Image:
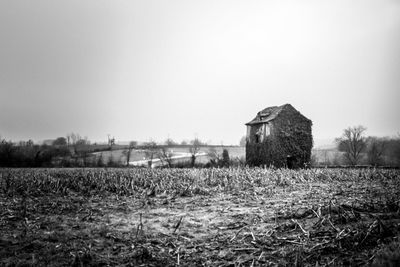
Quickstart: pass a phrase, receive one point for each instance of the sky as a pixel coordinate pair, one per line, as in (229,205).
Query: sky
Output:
(149,70)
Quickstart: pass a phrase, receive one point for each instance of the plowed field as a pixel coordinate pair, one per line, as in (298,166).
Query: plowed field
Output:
(189,217)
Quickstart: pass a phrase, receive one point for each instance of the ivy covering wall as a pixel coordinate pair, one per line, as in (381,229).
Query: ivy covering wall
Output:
(290,140)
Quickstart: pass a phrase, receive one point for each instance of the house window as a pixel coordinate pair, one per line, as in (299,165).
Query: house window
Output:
(259,135)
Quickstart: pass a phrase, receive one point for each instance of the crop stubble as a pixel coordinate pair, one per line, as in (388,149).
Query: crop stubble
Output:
(198,217)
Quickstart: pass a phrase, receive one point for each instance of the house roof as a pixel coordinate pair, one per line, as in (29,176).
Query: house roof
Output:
(268,114)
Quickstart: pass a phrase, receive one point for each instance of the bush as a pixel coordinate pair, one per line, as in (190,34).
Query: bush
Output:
(225,158)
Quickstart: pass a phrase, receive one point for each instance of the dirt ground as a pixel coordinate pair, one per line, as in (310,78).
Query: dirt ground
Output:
(302,224)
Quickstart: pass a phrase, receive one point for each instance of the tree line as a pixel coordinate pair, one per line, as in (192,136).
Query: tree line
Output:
(73,150)
(359,149)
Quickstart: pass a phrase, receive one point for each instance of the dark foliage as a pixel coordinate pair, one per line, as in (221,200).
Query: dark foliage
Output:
(60,141)
(288,145)
(30,155)
(225,158)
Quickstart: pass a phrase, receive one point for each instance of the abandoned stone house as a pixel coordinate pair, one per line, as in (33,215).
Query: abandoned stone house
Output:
(280,137)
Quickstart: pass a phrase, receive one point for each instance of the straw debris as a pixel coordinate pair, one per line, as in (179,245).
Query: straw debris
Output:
(97,217)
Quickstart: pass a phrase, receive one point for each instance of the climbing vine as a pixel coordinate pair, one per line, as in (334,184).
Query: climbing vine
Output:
(291,139)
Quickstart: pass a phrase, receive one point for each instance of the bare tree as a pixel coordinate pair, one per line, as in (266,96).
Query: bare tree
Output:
(111,141)
(194,149)
(30,143)
(72,139)
(80,147)
(376,149)
(68,138)
(150,151)
(213,155)
(165,155)
(127,152)
(352,142)
(83,150)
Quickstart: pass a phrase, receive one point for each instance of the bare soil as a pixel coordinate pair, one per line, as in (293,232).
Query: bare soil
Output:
(302,224)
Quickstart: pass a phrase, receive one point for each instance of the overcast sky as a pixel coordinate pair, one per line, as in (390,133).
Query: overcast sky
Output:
(152,69)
